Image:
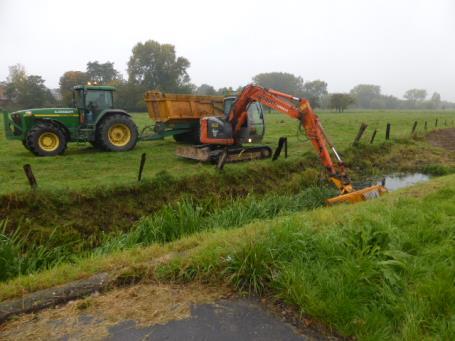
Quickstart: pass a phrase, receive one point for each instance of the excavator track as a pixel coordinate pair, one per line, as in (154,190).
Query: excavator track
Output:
(207,153)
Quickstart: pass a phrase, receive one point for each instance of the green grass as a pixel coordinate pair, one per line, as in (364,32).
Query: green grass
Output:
(19,256)
(379,270)
(383,269)
(83,168)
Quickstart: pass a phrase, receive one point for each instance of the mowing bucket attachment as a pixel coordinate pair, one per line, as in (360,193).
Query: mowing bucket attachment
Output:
(364,194)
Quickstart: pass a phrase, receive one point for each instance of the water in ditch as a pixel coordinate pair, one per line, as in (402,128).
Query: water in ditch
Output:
(396,181)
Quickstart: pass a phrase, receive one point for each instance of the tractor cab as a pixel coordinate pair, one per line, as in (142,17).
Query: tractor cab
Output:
(92,100)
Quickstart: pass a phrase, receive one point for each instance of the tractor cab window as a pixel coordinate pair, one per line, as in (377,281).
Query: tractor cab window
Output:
(98,100)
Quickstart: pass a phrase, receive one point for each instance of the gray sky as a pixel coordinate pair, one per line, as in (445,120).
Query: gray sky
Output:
(397,44)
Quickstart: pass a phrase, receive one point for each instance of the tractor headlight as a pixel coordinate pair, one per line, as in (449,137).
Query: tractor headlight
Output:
(28,114)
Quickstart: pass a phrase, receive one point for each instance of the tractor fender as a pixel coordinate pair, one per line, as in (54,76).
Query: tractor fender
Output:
(110,112)
(57,124)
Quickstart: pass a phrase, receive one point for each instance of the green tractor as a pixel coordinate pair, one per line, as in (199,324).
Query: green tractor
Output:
(93,119)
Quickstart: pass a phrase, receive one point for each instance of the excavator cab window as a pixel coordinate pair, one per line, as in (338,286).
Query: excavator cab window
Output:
(256,122)
(228,102)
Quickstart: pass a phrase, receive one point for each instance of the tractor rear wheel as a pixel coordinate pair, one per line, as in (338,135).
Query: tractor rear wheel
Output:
(116,133)
(46,140)
(94,144)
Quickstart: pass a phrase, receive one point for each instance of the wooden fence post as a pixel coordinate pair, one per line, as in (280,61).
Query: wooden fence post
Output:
(373,136)
(387,132)
(141,167)
(222,159)
(362,129)
(31,178)
(414,128)
(282,142)
(436,123)
(426,125)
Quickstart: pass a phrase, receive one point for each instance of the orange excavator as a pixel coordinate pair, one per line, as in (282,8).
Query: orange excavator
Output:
(238,126)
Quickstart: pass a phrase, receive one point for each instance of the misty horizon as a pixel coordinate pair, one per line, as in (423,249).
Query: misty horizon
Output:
(398,45)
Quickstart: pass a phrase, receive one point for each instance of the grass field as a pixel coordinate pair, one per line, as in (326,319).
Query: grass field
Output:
(83,168)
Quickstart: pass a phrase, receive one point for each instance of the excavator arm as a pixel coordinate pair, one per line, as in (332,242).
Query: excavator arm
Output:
(302,111)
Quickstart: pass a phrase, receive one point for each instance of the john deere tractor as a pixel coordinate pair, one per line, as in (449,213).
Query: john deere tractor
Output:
(46,132)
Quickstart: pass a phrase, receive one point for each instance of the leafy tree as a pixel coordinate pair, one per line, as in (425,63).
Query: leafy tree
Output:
(68,81)
(314,91)
(366,95)
(390,102)
(340,101)
(27,91)
(102,73)
(129,96)
(206,90)
(435,101)
(155,66)
(415,98)
(226,91)
(415,95)
(281,81)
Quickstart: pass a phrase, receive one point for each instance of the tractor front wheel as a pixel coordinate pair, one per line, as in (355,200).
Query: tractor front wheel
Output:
(46,140)
(116,133)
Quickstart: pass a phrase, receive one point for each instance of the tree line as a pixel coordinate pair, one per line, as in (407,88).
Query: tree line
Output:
(156,66)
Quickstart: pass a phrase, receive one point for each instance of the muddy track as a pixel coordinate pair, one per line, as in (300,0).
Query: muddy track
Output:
(444,138)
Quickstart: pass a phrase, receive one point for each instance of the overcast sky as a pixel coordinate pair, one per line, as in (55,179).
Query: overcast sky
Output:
(397,44)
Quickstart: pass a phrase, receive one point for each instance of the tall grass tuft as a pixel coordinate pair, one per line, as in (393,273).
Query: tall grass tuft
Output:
(18,257)
(188,217)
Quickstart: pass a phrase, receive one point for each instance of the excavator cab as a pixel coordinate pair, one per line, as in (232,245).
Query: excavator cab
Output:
(218,130)
(253,130)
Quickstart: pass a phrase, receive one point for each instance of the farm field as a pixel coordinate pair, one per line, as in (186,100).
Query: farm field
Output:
(258,227)
(82,167)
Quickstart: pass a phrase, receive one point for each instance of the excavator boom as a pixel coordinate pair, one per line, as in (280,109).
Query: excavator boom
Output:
(298,108)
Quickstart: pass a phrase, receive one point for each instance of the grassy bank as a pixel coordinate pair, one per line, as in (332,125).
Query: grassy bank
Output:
(379,270)
(20,256)
(49,227)
(83,168)
(376,270)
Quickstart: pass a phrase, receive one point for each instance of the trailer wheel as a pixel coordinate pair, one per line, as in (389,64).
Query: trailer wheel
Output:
(46,140)
(116,133)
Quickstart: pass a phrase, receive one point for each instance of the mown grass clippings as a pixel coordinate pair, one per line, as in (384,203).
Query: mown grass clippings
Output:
(90,318)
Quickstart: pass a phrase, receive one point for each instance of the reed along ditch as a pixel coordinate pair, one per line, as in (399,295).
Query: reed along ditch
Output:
(41,229)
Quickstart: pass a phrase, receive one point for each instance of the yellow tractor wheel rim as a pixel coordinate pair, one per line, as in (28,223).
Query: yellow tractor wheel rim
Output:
(49,141)
(119,135)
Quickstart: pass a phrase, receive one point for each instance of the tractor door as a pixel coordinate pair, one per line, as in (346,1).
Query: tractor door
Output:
(96,101)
